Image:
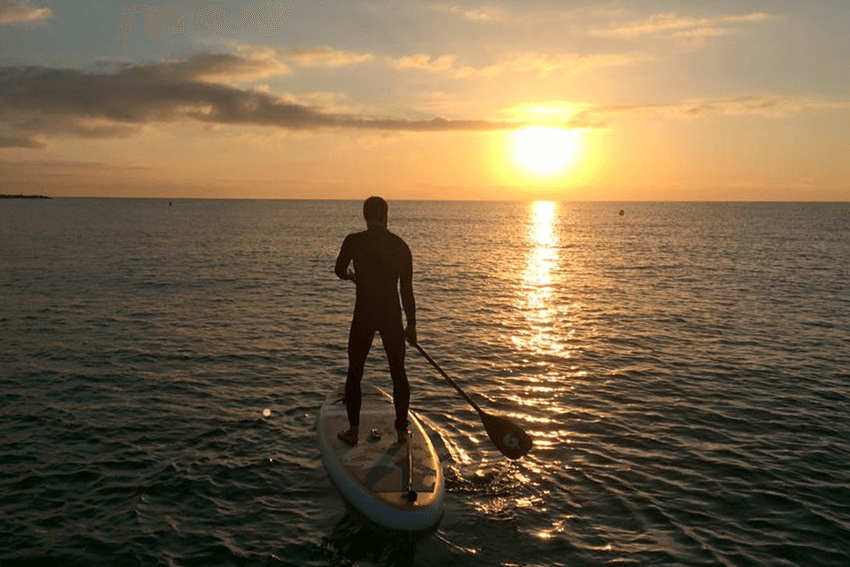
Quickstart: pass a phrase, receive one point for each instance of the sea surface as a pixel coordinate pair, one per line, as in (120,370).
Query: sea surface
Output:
(684,369)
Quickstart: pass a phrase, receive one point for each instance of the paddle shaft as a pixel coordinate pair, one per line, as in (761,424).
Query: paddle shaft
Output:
(448,379)
(410,494)
(508,438)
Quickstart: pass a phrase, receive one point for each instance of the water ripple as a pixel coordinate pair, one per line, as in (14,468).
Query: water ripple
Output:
(682,369)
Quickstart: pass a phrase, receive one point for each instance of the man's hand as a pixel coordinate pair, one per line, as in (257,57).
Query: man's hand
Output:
(410,333)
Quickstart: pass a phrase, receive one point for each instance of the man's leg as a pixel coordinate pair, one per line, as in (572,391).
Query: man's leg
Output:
(393,339)
(359,342)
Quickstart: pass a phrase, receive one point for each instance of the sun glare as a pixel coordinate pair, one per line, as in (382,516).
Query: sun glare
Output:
(543,150)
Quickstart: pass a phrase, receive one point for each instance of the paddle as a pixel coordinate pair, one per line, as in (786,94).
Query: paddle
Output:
(508,438)
(411,494)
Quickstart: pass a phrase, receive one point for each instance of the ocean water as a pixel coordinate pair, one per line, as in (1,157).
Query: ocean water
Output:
(684,369)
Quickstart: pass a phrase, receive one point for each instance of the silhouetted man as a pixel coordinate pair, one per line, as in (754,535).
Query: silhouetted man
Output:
(382,260)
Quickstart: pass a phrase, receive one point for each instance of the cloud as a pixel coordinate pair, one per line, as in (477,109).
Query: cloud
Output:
(541,63)
(20,12)
(670,24)
(41,102)
(327,57)
(421,61)
(212,67)
(443,64)
(20,140)
(264,19)
(572,63)
(588,116)
(61,167)
(769,105)
(480,14)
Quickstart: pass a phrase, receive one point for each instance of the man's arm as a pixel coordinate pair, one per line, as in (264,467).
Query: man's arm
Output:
(407,299)
(343,260)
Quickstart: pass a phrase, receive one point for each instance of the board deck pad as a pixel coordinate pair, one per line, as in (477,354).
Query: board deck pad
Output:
(380,464)
(372,476)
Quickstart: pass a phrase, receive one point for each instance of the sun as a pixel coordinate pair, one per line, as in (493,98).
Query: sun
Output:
(544,151)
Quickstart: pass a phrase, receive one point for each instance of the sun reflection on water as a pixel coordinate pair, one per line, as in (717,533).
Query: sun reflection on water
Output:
(539,282)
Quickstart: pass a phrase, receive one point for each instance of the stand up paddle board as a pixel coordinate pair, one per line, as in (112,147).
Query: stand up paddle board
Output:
(374,477)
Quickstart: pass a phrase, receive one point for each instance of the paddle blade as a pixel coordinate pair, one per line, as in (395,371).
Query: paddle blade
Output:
(508,438)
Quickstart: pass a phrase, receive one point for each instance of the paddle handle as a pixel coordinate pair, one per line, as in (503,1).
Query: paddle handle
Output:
(448,379)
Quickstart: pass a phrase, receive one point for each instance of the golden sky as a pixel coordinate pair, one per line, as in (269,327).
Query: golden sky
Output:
(641,100)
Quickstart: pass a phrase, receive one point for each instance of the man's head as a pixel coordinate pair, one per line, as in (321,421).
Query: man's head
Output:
(375,211)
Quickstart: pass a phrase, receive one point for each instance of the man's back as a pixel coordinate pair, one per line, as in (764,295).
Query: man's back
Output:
(381,259)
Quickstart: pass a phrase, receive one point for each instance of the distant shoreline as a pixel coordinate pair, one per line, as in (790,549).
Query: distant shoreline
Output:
(24,197)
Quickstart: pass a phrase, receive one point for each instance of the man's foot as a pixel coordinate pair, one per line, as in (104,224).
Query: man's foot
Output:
(402,435)
(349,436)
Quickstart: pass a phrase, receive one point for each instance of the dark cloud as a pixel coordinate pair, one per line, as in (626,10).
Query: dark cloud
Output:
(38,102)
(55,167)
(21,140)
(207,67)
